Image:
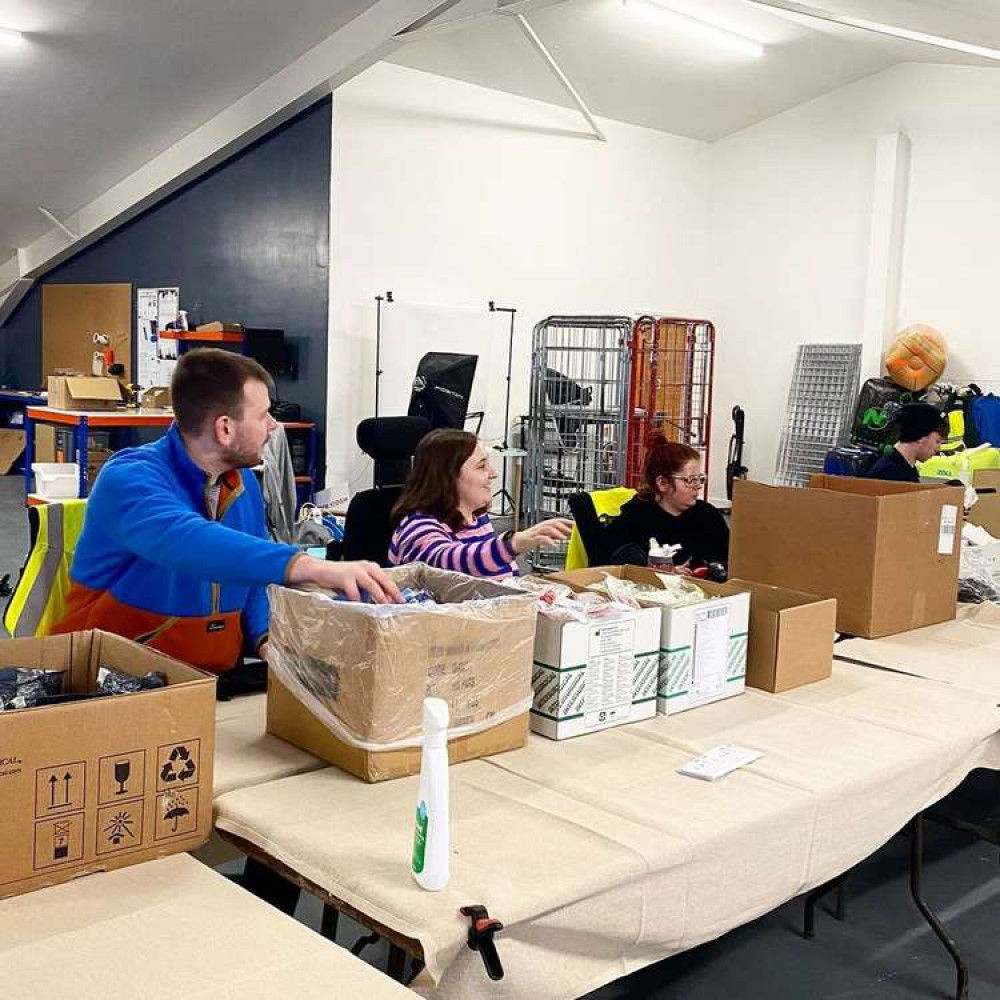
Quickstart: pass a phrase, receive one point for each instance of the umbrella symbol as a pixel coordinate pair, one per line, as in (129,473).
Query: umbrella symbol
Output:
(178,808)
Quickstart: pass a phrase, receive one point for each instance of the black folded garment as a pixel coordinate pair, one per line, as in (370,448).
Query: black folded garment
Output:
(25,687)
(112,681)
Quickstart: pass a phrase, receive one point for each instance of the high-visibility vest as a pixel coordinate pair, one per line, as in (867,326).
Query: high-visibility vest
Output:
(39,599)
(956,433)
(607,504)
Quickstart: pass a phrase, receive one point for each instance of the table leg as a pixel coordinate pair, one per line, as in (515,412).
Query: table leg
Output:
(397,963)
(29,453)
(329,922)
(935,924)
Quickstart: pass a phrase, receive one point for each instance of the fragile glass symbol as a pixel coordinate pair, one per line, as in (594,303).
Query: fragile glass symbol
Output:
(123,768)
(119,828)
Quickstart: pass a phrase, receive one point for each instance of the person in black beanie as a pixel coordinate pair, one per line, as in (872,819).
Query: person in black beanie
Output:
(922,428)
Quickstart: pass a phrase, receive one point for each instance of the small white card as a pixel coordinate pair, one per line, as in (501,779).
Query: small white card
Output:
(946,533)
(718,762)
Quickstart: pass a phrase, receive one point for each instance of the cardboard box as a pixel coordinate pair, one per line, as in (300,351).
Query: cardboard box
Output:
(216,327)
(349,679)
(703,646)
(986,510)
(791,637)
(157,397)
(95,785)
(888,552)
(11,448)
(83,392)
(594,675)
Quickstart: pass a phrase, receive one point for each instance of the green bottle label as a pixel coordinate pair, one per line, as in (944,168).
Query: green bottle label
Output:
(420,838)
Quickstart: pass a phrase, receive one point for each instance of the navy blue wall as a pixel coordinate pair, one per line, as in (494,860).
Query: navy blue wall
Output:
(248,242)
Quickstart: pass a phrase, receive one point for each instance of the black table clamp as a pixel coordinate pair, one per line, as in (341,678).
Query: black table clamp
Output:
(482,927)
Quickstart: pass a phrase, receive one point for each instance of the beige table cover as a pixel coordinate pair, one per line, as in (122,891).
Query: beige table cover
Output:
(599,858)
(168,929)
(245,754)
(964,652)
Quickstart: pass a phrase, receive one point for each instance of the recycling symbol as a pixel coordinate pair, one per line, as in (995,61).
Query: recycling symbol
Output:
(179,766)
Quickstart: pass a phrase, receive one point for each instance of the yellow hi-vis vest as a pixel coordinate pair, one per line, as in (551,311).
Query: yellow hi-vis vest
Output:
(39,599)
(956,433)
(607,503)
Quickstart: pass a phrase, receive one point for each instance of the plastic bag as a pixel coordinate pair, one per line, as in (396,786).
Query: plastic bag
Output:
(112,681)
(676,592)
(25,687)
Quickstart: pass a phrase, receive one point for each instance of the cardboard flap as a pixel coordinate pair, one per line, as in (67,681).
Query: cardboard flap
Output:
(93,387)
(868,487)
(11,446)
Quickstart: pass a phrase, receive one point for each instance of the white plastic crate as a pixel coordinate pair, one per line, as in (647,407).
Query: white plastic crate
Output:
(56,480)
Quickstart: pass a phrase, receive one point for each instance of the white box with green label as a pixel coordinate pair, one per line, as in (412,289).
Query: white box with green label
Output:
(703,650)
(596,674)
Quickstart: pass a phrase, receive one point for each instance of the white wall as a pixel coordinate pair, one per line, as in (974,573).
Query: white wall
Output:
(450,195)
(790,226)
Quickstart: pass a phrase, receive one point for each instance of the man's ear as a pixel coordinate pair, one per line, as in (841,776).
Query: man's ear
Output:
(222,427)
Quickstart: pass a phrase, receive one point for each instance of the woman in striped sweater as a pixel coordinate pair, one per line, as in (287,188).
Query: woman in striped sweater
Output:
(442,517)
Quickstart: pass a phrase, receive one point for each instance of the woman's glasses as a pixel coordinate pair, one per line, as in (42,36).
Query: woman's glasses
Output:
(692,480)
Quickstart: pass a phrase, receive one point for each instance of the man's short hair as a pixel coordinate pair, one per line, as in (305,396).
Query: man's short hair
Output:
(208,383)
(917,420)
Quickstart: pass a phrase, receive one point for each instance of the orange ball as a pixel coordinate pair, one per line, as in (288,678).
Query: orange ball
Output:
(917,357)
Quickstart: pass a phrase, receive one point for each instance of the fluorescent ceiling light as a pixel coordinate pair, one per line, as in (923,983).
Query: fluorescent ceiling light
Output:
(878,28)
(8,36)
(706,31)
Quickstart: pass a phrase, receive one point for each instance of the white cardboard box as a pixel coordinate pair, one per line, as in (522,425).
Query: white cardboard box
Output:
(589,676)
(703,652)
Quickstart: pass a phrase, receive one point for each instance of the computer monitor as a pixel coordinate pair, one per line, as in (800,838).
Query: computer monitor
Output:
(267,347)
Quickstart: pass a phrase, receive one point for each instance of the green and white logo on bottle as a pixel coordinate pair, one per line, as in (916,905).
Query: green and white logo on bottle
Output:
(420,838)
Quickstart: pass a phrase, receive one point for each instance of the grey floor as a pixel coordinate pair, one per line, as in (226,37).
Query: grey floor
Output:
(884,950)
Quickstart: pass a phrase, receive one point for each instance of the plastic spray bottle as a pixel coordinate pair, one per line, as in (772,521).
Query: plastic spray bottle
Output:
(430,835)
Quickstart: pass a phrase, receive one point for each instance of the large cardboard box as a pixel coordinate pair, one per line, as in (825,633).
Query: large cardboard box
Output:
(791,637)
(83,392)
(592,675)
(157,397)
(888,552)
(11,448)
(349,679)
(94,785)
(986,510)
(703,646)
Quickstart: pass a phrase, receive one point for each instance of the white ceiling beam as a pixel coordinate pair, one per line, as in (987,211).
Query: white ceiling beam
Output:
(353,48)
(432,27)
(557,72)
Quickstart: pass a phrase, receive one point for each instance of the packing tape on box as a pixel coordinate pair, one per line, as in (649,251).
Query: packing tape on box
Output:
(363,670)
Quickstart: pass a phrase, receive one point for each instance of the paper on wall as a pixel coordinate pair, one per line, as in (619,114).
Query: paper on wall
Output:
(155,308)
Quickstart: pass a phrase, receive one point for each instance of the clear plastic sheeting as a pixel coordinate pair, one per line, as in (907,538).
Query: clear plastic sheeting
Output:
(364,670)
(676,591)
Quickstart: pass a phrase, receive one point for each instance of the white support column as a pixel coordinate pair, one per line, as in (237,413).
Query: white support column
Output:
(885,249)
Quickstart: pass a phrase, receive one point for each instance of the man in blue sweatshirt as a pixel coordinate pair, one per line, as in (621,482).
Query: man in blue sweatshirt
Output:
(174,551)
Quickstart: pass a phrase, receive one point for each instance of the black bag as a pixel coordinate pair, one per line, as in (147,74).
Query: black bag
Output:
(879,403)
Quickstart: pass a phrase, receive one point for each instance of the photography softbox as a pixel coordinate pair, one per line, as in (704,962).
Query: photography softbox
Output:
(442,387)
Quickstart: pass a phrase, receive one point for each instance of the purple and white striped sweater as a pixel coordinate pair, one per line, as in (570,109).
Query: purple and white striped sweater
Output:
(475,549)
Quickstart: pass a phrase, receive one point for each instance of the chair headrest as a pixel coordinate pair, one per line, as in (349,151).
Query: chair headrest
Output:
(389,438)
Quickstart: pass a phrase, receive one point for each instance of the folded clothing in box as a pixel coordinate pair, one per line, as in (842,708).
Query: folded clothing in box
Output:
(363,670)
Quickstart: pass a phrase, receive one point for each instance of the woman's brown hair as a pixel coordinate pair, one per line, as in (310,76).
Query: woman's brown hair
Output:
(663,458)
(430,486)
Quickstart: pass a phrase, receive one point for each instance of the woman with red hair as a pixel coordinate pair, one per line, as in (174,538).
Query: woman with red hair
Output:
(667,507)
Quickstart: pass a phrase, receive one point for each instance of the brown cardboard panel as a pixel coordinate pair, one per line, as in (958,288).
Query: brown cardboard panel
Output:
(871,545)
(290,720)
(72,314)
(95,785)
(45,443)
(986,512)
(156,398)
(11,446)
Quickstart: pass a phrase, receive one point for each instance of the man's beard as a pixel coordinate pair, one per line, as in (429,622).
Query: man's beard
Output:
(241,458)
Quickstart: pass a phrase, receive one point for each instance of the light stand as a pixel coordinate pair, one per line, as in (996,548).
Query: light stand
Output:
(379,299)
(502,493)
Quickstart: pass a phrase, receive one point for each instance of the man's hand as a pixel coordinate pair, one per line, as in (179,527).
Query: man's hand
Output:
(350,578)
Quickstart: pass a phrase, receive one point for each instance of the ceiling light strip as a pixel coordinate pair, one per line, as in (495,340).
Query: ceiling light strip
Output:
(878,28)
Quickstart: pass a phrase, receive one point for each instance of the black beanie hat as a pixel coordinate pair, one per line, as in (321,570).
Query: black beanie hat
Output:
(917,420)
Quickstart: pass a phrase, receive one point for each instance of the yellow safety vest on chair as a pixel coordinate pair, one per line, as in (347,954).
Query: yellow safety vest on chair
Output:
(607,504)
(39,599)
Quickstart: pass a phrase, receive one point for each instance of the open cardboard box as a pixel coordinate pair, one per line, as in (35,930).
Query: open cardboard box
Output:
(986,510)
(888,552)
(348,680)
(703,646)
(94,785)
(83,392)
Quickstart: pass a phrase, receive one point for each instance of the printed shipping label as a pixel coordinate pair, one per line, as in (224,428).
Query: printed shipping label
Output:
(711,645)
(946,533)
(610,667)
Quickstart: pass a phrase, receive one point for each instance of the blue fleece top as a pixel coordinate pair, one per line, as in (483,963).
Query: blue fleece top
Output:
(149,540)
